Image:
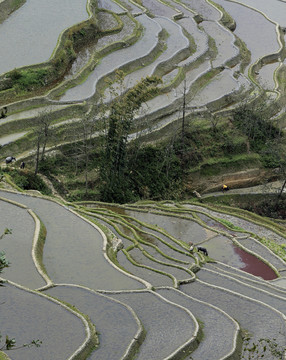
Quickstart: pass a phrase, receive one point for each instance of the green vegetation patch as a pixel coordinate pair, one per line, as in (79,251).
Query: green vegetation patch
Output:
(26,180)
(230,225)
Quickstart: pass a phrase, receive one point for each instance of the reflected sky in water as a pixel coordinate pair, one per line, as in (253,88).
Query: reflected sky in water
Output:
(30,34)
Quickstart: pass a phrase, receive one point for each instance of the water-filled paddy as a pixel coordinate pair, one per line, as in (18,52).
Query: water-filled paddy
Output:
(110,5)
(258,318)
(158,8)
(114,322)
(22,43)
(202,7)
(258,33)
(224,250)
(18,246)
(171,268)
(163,332)
(266,76)
(183,229)
(223,84)
(73,248)
(176,43)
(213,318)
(274,9)
(27,316)
(152,277)
(224,41)
(117,59)
(12,137)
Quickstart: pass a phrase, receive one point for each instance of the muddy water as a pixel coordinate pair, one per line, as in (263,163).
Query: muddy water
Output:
(253,265)
(22,43)
(222,249)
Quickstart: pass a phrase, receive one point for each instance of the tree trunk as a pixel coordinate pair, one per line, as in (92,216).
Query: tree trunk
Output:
(281,190)
(37,156)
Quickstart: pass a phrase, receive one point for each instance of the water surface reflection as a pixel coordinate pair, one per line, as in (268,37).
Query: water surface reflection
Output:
(224,250)
(30,34)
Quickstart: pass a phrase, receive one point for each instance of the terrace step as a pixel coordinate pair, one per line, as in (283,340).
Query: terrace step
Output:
(80,244)
(259,319)
(165,266)
(147,274)
(248,226)
(177,48)
(111,6)
(247,278)
(206,10)
(216,322)
(177,226)
(166,336)
(26,315)
(106,22)
(137,52)
(253,33)
(155,242)
(18,245)
(159,8)
(116,323)
(247,289)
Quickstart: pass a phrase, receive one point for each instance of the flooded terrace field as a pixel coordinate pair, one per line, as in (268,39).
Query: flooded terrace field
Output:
(143,271)
(23,44)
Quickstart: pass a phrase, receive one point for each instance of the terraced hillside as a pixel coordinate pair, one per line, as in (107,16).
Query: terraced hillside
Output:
(208,54)
(92,280)
(95,281)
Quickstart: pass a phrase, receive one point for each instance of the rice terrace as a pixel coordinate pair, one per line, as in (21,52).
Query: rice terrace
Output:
(142,179)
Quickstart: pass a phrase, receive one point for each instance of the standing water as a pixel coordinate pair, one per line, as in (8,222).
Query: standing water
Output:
(253,265)
(30,34)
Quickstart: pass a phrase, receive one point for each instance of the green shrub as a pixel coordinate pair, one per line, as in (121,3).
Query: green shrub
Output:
(29,79)
(28,181)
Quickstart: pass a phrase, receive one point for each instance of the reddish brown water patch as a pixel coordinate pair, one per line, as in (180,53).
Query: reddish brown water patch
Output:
(253,265)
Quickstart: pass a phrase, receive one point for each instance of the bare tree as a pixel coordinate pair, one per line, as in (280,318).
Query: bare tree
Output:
(42,133)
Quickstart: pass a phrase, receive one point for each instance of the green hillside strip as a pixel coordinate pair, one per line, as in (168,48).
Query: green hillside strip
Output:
(246,215)
(34,80)
(141,240)
(3,356)
(7,7)
(278,249)
(157,229)
(152,258)
(129,257)
(211,166)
